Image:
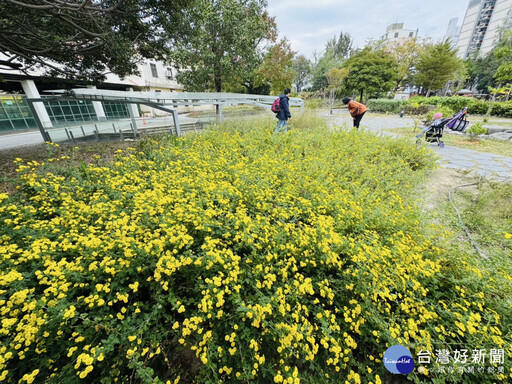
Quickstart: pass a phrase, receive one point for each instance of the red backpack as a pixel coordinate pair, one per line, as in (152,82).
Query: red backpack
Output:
(276,106)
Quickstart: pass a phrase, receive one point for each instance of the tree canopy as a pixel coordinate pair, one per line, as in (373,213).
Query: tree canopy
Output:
(370,70)
(302,67)
(436,66)
(221,42)
(84,39)
(481,72)
(406,53)
(337,50)
(340,48)
(503,52)
(277,68)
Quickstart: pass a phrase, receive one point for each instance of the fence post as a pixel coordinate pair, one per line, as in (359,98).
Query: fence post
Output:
(176,122)
(134,123)
(220,116)
(46,136)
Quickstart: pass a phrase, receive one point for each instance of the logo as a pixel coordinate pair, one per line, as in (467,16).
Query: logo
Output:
(398,360)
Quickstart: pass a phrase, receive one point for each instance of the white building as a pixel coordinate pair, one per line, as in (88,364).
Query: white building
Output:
(154,76)
(481,25)
(396,31)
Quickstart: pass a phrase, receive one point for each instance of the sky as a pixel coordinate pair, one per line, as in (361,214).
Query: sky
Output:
(309,24)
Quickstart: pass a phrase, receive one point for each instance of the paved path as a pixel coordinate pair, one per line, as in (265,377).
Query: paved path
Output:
(485,164)
(17,140)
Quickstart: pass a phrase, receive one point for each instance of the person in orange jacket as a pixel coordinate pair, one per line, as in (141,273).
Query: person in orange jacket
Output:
(357,110)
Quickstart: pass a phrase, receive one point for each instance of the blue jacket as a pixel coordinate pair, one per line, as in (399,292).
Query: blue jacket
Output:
(285,108)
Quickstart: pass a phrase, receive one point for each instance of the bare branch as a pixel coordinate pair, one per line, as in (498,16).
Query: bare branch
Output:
(67,6)
(89,33)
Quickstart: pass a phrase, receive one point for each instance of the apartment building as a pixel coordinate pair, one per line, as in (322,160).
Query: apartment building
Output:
(482,23)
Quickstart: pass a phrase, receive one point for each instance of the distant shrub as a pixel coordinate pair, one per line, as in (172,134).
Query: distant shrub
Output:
(502,109)
(478,107)
(417,109)
(456,103)
(385,105)
(314,103)
(446,111)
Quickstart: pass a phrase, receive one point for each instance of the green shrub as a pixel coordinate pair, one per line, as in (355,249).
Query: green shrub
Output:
(385,105)
(418,109)
(478,107)
(446,111)
(314,103)
(502,109)
(476,130)
(456,103)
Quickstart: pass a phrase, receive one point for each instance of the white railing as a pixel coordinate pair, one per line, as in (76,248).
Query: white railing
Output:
(188,98)
(169,103)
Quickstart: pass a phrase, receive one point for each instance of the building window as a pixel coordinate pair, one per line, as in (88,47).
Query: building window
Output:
(396,34)
(154,72)
(411,34)
(168,73)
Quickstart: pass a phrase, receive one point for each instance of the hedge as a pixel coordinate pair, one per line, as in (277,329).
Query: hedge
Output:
(386,105)
(423,105)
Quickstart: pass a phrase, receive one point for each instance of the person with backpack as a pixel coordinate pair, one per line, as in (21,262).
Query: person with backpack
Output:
(282,111)
(357,110)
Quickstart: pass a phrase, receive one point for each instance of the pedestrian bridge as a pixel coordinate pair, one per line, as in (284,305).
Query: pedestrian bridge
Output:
(148,112)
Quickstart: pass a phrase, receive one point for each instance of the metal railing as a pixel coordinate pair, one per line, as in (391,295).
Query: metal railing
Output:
(168,103)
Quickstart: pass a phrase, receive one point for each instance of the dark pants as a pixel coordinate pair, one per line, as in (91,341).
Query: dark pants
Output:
(357,119)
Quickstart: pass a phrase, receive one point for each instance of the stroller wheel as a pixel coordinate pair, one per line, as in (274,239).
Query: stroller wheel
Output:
(441,144)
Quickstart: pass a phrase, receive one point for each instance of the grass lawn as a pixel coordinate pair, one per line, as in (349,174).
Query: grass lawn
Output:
(503,148)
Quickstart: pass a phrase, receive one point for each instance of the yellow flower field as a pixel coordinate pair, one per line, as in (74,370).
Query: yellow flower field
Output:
(234,255)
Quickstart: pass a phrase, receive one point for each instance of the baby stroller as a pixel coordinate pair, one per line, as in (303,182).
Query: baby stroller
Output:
(434,131)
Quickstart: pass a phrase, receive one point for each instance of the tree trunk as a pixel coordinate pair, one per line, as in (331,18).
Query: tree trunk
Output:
(217,79)
(491,104)
(361,96)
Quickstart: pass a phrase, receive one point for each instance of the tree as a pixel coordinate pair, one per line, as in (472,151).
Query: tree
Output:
(406,53)
(481,72)
(436,66)
(340,48)
(335,76)
(220,42)
(85,39)
(302,67)
(277,68)
(370,70)
(503,52)
(335,53)
(321,67)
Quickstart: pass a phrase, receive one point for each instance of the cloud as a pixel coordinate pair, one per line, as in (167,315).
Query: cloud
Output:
(297,5)
(308,25)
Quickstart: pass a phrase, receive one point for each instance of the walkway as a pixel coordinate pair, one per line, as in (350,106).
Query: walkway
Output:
(484,164)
